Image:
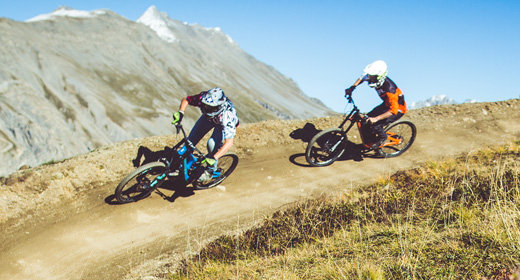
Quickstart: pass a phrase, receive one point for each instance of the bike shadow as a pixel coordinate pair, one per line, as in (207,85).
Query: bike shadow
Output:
(353,151)
(173,184)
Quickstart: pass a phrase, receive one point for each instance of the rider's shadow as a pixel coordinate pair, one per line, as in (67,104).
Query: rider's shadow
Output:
(149,155)
(306,133)
(353,151)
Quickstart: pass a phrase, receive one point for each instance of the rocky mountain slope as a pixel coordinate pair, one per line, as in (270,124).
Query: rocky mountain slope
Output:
(73,81)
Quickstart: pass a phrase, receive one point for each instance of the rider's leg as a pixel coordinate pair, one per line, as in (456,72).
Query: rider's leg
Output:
(201,128)
(214,144)
(379,127)
(215,141)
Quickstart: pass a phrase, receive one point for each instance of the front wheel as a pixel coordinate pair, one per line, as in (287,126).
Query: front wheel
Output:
(400,137)
(140,182)
(225,166)
(326,147)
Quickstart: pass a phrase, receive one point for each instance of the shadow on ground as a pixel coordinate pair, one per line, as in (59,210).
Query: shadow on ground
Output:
(353,151)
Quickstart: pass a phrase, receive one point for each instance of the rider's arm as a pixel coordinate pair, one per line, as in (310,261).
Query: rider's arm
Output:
(358,81)
(224,149)
(348,91)
(380,117)
(393,107)
(184,105)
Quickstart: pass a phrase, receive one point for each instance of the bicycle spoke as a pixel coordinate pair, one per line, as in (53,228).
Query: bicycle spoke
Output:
(325,147)
(226,165)
(140,183)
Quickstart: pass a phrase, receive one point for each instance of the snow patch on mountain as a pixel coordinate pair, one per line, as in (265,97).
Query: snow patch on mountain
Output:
(159,23)
(441,99)
(218,30)
(67,12)
(165,27)
(435,100)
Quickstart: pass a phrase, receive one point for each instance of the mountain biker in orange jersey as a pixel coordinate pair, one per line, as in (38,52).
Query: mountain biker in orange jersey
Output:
(393,106)
(219,114)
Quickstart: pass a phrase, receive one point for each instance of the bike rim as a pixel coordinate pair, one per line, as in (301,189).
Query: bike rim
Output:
(399,139)
(327,148)
(142,184)
(224,169)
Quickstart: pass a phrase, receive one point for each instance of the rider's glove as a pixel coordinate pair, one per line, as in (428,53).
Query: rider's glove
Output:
(349,91)
(177,117)
(209,161)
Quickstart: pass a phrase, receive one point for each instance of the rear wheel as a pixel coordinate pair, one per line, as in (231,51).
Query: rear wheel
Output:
(226,165)
(326,147)
(400,137)
(137,184)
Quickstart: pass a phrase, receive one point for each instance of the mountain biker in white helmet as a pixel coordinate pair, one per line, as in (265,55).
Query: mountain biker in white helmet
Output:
(219,114)
(393,106)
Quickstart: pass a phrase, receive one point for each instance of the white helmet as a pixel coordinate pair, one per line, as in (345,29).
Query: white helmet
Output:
(213,102)
(376,72)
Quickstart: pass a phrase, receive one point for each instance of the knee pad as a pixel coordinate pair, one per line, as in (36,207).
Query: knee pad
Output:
(211,146)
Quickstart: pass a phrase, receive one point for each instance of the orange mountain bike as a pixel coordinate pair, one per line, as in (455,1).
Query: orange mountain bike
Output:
(328,145)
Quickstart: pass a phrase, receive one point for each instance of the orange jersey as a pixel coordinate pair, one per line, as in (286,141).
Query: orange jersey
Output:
(392,96)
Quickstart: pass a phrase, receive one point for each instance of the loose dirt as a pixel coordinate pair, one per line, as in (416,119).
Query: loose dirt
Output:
(61,221)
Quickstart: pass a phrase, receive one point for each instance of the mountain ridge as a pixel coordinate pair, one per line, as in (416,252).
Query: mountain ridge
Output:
(438,99)
(71,84)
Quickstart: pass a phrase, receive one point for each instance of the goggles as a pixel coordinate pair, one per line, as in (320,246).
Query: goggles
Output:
(372,79)
(211,109)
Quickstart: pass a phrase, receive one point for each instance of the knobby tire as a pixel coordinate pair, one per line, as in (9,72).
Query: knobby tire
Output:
(404,129)
(226,165)
(326,147)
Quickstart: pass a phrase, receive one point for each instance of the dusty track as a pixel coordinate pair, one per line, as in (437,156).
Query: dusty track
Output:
(60,222)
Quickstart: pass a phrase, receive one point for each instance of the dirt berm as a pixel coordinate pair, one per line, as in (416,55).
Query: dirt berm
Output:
(60,221)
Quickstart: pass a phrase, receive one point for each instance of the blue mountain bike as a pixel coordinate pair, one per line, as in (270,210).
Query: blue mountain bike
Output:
(185,165)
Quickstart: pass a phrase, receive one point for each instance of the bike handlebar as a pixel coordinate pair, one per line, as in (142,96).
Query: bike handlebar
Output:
(179,127)
(349,98)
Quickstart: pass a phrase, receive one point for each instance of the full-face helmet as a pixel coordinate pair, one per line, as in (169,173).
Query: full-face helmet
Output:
(213,102)
(376,72)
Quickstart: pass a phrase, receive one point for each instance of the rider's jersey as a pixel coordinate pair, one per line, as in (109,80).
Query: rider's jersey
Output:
(392,96)
(227,119)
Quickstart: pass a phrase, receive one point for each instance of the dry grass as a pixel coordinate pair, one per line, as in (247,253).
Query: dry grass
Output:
(455,219)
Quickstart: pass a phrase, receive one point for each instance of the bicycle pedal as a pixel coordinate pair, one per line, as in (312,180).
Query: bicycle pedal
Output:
(205,176)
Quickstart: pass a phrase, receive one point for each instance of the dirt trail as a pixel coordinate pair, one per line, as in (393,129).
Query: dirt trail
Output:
(93,238)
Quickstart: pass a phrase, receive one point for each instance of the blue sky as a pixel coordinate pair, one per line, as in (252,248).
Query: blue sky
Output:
(462,49)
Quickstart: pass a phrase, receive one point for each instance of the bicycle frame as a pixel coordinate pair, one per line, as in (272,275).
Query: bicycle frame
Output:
(355,118)
(188,160)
